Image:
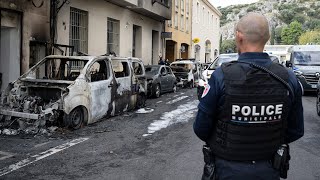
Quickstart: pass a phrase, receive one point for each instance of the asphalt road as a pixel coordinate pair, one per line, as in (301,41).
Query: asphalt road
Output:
(155,145)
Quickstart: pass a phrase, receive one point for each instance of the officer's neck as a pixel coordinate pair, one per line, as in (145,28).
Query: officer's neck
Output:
(251,48)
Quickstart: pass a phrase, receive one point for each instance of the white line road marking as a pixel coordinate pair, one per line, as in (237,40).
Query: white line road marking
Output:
(176,100)
(182,114)
(41,144)
(38,157)
(6,155)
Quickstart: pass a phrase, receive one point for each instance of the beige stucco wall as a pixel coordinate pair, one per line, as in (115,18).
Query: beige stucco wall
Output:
(203,30)
(181,35)
(98,12)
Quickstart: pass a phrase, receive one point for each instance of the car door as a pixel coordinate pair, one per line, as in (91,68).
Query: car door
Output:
(123,76)
(171,78)
(100,81)
(163,79)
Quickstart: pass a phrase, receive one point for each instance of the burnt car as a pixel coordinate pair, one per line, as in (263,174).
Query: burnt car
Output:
(187,72)
(73,90)
(160,80)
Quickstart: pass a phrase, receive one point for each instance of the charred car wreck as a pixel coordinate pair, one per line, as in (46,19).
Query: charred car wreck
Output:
(72,91)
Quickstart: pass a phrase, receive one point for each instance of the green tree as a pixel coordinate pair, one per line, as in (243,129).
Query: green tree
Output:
(273,34)
(290,35)
(277,35)
(228,45)
(313,24)
(310,37)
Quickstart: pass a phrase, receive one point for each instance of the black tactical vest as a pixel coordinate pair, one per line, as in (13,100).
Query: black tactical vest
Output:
(252,121)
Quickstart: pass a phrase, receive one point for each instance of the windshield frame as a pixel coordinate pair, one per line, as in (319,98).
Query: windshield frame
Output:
(32,73)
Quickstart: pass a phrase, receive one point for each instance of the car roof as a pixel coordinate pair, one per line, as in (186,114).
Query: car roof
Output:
(184,62)
(305,48)
(86,58)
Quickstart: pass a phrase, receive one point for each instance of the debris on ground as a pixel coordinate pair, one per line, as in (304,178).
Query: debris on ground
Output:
(144,110)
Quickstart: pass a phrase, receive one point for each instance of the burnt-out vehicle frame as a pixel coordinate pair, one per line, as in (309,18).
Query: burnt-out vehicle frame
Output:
(187,72)
(73,90)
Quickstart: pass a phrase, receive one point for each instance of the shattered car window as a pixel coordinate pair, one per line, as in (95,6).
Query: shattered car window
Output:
(137,67)
(99,71)
(120,68)
(57,69)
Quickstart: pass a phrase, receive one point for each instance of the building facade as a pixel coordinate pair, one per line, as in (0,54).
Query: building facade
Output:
(179,45)
(206,28)
(22,22)
(122,27)
(33,29)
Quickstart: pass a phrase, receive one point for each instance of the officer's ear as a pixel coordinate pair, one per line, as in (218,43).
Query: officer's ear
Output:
(239,36)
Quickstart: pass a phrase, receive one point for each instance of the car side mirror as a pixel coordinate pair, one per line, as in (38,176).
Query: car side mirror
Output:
(288,64)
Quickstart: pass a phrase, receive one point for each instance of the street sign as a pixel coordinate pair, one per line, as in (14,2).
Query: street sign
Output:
(166,35)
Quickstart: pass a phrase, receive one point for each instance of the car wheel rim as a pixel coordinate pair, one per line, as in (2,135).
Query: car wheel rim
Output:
(157,91)
(76,117)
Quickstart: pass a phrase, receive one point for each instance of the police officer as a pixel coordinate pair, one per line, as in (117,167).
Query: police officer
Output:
(245,113)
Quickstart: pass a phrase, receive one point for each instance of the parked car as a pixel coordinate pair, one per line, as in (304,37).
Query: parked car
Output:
(187,72)
(74,90)
(305,62)
(206,74)
(160,80)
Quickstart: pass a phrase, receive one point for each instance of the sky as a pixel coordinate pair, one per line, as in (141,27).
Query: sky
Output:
(224,3)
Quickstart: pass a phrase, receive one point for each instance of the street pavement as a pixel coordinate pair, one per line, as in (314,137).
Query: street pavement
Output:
(153,143)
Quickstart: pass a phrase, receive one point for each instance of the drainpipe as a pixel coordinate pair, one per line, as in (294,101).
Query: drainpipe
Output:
(53,25)
(163,40)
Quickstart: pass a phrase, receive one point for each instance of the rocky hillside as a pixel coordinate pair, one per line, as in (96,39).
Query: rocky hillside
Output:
(279,13)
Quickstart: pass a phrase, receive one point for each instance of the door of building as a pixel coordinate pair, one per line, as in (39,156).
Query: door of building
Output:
(10,47)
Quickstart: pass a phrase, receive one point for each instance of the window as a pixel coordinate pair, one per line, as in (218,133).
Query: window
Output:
(165,2)
(169,22)
(137,68)
(113,38)
(163,71)
(212,19)
(187,24)
(78,32)
(187,7)
(198,12)
(176,20)
(177,3)
(169,70)
(208,18)
(120,68)
(203,14)
(137,41)
(182,23)
(99,71)
(182,6)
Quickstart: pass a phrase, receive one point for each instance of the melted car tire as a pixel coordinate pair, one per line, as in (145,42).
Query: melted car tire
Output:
(318,103)
(157,91)
(75,119)
(174,88)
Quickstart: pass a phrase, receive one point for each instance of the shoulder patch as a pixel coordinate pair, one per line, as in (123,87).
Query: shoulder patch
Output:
(205,91)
